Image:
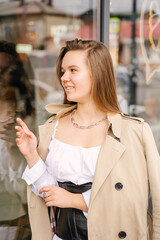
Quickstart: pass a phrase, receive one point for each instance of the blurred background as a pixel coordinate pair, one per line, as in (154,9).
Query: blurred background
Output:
(31,35)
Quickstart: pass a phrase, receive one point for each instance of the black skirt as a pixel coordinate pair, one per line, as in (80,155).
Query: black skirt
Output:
(71,224)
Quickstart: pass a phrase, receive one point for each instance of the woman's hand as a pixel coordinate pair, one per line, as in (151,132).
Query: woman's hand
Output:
(59,197)
(27,143)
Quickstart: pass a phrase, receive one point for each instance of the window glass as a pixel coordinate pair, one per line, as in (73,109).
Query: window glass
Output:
(31,35)
(135,48)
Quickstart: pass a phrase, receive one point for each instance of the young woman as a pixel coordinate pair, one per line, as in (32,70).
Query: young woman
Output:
(93,163)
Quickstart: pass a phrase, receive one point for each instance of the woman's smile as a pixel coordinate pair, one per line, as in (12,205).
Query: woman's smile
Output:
(68,88)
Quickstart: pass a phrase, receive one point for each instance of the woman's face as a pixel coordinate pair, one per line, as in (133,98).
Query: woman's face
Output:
(5,63)
(76,79)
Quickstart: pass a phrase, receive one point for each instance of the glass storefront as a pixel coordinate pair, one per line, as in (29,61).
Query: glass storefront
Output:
(135,48)
(36,30)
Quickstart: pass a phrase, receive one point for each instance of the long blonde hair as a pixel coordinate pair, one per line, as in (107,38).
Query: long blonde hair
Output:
(101,68)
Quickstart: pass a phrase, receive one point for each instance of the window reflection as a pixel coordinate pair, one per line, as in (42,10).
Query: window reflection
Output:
(36,30)
(136,57)
(15,100)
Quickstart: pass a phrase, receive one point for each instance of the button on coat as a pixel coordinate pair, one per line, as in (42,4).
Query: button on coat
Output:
(122,235)
(118,186)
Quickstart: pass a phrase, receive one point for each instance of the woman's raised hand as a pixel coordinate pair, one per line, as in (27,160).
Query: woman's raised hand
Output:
(27,143)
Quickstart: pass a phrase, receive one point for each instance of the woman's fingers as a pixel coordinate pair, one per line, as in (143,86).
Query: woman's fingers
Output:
(56,196)
(44,189)
(23,127)
(17,140)
(19,129)
(19,132)
(47,192)
(47,197)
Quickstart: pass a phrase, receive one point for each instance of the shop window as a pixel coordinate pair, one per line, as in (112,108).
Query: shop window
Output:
(135,49)
(36,30)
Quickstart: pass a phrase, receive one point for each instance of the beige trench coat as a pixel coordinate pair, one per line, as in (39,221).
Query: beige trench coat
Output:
(127,162)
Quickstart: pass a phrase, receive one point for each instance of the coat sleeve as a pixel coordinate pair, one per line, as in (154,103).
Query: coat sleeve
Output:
(153,165)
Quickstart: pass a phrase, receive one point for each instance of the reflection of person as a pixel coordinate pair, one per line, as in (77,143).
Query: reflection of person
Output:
(14,96)
(13,78)
(93,163)
(14,99)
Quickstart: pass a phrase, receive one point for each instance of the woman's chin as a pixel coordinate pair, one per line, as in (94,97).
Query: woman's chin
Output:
(71,99)
(76,99)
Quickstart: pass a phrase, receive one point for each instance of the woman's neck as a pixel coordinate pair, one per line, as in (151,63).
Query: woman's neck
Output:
(88,113)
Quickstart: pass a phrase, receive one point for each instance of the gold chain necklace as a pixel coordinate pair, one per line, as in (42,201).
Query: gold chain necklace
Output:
(85,127)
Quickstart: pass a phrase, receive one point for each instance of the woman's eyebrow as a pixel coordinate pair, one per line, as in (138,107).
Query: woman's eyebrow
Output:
(70,66)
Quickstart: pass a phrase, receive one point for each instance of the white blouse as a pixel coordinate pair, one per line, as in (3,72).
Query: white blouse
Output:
(64,163)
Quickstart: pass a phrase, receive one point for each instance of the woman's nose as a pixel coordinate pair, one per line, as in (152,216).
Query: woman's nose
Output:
(65,77)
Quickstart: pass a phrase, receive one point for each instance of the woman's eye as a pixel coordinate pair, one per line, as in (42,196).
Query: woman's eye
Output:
(73,70)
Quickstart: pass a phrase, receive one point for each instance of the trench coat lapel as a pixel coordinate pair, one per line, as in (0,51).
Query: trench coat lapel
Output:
(109,155)
(45,135)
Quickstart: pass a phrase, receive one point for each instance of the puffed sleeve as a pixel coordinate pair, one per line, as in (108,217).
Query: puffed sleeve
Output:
(153,164)
(31,175)
(39,176)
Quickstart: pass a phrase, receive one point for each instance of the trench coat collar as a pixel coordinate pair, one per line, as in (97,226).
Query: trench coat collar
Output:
(60,110)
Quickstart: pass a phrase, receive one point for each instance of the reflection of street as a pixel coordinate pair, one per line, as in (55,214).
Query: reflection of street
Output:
(147,106)
(47,90)
(147,97)
(152,66)
(46,86)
